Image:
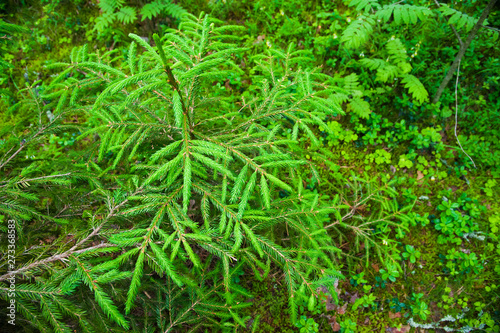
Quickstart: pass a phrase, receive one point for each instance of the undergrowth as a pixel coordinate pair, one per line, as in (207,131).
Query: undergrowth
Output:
(269,167)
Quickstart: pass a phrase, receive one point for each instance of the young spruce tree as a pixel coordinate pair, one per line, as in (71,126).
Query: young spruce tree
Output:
(183,188)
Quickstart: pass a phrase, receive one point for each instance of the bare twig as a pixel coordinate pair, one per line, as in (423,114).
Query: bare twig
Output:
(39,178)
(452,28)
(491,28)
(456,115)
(40,131)
(461,52)
(56,257)
(72,250)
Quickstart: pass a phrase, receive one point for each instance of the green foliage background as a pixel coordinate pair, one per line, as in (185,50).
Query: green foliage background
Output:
(273,166)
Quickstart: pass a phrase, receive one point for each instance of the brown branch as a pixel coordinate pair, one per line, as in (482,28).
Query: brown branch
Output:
(56,257)
(171,78)
(40,131)
(39,178)
(462,50)
(21,148)
(72,250)
(491,28)
(452,28)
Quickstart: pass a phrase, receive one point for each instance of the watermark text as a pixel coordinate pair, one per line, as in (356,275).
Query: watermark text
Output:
(11,266)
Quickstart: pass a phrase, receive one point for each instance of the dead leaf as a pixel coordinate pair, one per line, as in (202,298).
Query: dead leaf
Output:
(336,286)
(354,298)
(332,320)
(403,329)
(420,175)
(322,289)
(330,306)
(259,40)
(394,315)
(191,204)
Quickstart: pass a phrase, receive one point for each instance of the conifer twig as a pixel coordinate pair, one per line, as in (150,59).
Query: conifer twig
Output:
(23,145)
(56,257)
(72,250)
(170,74)
(38,178)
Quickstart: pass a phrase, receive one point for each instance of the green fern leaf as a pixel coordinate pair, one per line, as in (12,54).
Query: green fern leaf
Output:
(459,19)
(387,73)
(151,10)
(407,14)
(397,51)
(175,10)
(416,88)
(126,15)
(373,63)
(109,6)
(360,107)
(364,5)
(358,32)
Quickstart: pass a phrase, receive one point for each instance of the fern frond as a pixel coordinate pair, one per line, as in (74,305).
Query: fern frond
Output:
(407,14)
(397,51)
(358,32)
(110,6)
(459,19)
(364,5)
(360,107)
(416,88)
